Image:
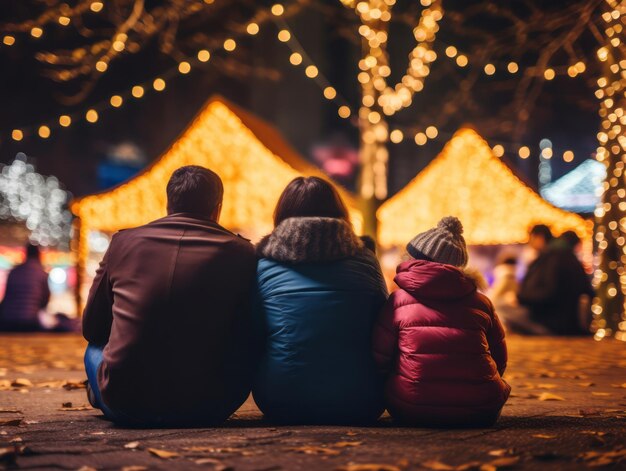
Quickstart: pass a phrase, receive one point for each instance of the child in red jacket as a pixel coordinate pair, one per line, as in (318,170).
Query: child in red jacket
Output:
(439,340)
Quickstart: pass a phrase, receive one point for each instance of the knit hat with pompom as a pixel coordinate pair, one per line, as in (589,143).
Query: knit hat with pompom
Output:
(442,244)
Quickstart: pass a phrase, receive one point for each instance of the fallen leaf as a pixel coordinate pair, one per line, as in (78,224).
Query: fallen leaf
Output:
(77,408)
(131,445)
(546,396)
(98,433)
(87,468)
(598,458)
(11,422)
(217,464)
(543,435)
(5,384)
(134,468)
(163,454)
(9,454)
(352,433)
(586,385)
(10,411)
(368,467)
(345,444)
(603,394)
(66,404)
(22,383)
(546,386)
(623,385)
(501,452)
(437,465)
(71,385)
(16,440)
(314,450)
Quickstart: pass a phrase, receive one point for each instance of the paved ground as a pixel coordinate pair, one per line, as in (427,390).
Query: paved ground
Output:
(567,411)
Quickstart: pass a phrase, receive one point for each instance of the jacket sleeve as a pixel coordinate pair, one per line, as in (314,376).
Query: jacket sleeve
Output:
(497,343)
(98,314)
(385,338)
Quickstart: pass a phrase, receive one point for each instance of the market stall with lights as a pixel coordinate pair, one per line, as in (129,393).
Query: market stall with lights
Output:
(468,181)
(250,156)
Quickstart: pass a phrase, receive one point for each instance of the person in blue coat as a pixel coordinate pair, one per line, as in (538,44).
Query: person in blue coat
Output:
(319,290)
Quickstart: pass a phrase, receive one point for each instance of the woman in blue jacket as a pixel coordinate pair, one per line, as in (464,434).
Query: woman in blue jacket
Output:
(318,293)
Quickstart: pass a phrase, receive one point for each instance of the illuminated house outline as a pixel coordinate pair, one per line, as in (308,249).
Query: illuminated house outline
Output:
(468,181)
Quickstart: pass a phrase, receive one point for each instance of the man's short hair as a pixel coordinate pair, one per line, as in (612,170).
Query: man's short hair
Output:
(32,251)
(543,231)
(194,189)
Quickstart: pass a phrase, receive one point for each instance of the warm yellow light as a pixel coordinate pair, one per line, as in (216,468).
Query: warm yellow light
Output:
(101,66)
(204,55)
(277,9)
(295,58)
(451,51)
(396,136)
(64,20)
(284,35)
(431,132)
(311,71)
(330,93)
(65,120)
(572,71)
(498,150)
(568,156)
(44,132)
(184,67)
(462,60)
(512,67)
(119,45)
(549,74)
(137,91)
(8,40)
(547,153)
(158,84)
(524,152)
(36,32)
(116,101)
(603,54)
(490,69)
(421,139)
(96,6)
(466,179)
(91,116)
(17,135)
(252,28)
(344,111)
(230,45)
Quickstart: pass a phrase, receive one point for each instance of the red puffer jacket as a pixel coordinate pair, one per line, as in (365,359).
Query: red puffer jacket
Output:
(442,346)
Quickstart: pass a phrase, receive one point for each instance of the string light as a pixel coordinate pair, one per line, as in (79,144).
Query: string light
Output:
(609,304)
(65,120)
(204,55)
(158,84)
(36,32)
(421,139)
(295,58)
(116,101)
(184,67)
(252,29)
(277,9)
(230,45)
(8,40)
(284,35)
(137,91)
(524,152)
(311,71)
(44,132)
(344,111)
(17,135)
(330,93)
(96,7)
(91,116)
(396,136)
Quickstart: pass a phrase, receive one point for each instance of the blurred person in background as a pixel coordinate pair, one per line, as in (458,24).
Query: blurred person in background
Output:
(556,289)
(27,295)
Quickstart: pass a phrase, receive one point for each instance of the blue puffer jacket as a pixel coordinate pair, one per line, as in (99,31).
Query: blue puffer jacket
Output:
(319,292)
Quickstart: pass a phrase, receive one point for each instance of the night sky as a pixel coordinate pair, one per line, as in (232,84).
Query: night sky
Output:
(565,112)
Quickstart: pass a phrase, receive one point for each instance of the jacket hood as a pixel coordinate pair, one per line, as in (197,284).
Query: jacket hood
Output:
(311,239)
(431,280)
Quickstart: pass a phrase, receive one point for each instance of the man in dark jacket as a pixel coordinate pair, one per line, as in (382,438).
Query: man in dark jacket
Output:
(167,314)
(27,293)
(554,286)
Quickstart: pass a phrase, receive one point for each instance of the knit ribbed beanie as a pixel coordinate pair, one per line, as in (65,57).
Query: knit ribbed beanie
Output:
(442,244)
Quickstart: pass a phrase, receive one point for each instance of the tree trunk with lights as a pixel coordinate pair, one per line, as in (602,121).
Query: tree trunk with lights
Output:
(609,306)
(380,100)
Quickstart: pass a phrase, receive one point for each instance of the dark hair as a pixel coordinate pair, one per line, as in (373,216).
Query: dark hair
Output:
(32,251)
(571,238)
(369,243)
(543,231)
(194,189)
(309,197)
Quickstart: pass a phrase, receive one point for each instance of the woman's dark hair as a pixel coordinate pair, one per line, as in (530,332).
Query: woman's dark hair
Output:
(309,197)
(543,231)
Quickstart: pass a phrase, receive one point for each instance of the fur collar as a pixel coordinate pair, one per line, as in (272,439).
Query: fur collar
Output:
(310,239)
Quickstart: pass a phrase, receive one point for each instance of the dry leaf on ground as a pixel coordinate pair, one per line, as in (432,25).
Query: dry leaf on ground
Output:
(437,465)
(586,385)
(22,383)
(77,408)
(546,386)
(368,467)
(314,450)
(546,396)
(10,411)
(163,454)
(131,445)
(134,468)
(596,393)
(87,468)
(603,458)
(346,444)
(545,436)
(501,452)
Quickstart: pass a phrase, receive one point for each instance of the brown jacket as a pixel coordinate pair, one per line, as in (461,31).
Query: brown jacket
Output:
(170,301)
